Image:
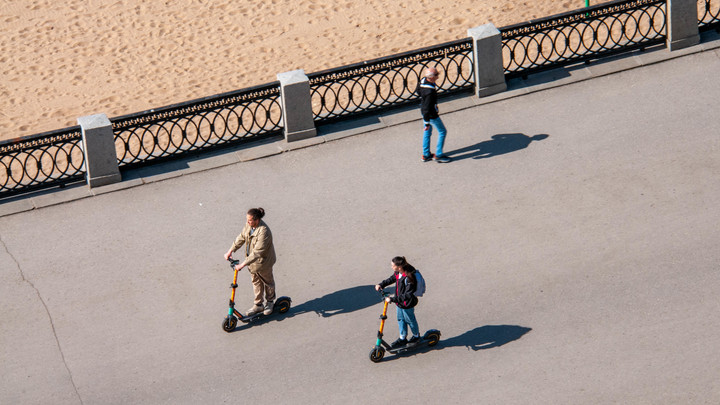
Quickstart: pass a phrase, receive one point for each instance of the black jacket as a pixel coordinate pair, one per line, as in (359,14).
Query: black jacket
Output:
(428,99)
(404,290)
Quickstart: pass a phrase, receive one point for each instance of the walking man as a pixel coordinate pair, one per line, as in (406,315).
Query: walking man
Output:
(429,109)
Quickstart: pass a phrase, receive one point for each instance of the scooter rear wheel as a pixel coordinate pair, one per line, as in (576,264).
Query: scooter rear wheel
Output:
(282,306)
(229,324)
(433,338)
(377,354)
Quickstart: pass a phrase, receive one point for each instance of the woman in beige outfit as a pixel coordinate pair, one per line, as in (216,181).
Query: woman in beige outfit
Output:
(259,259)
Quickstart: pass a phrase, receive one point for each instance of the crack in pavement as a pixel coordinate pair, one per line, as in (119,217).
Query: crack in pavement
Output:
(47,311)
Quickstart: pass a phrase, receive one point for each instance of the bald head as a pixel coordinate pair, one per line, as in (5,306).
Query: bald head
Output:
(431,74)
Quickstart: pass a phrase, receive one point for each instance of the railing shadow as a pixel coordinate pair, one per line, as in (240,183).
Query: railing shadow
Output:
(500,144)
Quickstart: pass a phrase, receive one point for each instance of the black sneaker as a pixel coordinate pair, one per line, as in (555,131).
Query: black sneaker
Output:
(442,159)
(399,343)
(413,340)
(428,157)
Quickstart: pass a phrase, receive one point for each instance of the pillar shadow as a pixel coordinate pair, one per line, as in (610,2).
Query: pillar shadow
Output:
(499,144)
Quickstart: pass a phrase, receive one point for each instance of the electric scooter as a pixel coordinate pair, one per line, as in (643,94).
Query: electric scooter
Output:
(431,338)
(282,305)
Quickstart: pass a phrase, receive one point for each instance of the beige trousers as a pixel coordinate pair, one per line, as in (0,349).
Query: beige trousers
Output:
(263,284)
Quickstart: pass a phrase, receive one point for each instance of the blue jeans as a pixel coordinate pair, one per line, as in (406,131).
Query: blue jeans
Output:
(437,123)
(406,317)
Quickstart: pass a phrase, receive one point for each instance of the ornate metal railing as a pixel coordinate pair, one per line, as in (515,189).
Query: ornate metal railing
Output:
(389,82)
(582,35)
(708,15)
(56,158)
(212,122)
(41,161)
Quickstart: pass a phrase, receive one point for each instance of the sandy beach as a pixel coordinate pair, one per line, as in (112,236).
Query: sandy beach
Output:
(63,60)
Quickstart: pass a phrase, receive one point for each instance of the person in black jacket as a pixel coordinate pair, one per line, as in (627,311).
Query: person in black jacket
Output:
(428,107)
(405,285)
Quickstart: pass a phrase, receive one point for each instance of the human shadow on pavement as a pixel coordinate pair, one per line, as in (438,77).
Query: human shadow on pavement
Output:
(481,338)
(336,303)
(487,337)
(500,144)
(340,302)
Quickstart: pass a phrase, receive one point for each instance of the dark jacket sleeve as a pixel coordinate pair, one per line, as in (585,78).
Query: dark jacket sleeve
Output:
(388,281)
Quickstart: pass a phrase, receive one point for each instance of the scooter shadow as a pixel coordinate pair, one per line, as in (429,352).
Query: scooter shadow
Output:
(481,338)
(486,337)
(339,302)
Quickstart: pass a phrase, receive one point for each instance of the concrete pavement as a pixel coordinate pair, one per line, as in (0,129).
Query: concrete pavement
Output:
(570,254)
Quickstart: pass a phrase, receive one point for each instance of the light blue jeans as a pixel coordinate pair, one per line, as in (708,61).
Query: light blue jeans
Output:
(406,317)
(428,125)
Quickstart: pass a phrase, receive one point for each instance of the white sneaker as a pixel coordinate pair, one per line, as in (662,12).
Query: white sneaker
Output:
(268,308)
(256,309)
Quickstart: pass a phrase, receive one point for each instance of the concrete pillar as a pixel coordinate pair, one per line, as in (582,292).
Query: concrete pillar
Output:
(101,164)
(488,60)
(296,105)
(682,24)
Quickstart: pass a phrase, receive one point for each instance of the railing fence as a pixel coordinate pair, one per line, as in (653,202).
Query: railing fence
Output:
(388,82)
(56,158)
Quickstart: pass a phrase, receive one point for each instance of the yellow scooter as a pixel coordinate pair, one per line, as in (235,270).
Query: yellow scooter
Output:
(282,305)
(431,338)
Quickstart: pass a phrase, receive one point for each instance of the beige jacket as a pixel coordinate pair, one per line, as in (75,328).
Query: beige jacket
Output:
(259,249)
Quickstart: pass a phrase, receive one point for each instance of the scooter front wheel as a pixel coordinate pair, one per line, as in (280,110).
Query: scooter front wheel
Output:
(229,324)
(377,354)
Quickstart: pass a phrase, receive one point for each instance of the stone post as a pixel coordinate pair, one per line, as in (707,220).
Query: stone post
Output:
(488,60)
(296,105)
(101,164)
(682,24)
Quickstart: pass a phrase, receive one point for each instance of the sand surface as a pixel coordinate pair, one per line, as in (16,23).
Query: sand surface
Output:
(63,60)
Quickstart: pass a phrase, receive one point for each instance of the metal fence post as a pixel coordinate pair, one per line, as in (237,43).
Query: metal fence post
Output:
(488,60)
(296,105)
(101,164)
(682,24)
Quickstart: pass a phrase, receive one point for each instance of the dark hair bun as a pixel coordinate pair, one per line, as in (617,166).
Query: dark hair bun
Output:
(256,213)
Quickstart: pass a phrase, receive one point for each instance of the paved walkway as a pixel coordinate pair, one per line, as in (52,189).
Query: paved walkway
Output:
(570,251)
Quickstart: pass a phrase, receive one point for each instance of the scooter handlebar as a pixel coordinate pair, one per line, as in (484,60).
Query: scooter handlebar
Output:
(233,262)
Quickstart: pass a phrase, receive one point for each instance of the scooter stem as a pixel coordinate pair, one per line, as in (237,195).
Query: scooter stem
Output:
(383,317)
(232,294)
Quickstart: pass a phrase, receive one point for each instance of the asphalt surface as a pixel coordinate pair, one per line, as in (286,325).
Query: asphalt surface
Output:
(570,253)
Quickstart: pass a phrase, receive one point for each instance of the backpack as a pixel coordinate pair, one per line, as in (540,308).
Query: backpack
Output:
(420,284)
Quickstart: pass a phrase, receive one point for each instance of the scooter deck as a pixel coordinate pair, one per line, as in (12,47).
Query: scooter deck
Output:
(276,311)
(410,346)
(254,317)
(248,319)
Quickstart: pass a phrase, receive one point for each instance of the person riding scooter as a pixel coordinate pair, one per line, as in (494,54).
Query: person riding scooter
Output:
(259,258)
(405,286)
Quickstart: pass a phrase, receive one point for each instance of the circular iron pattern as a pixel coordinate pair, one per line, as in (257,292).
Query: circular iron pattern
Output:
(582,35)
(41,161)
(56,158)
(203,124)
(708,14)
(388,82)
